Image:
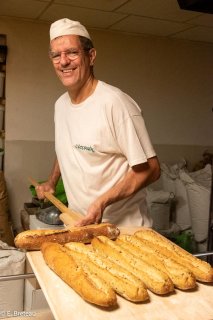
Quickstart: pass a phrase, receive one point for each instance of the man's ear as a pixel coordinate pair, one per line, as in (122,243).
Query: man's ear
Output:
(92,54)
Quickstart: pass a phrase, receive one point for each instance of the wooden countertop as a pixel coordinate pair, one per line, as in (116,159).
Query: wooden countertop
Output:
(66,304)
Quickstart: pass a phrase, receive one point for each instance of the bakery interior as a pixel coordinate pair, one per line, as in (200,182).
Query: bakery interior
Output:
(160,52)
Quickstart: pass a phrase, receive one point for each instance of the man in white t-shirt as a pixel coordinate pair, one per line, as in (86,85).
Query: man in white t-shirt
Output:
(103,151)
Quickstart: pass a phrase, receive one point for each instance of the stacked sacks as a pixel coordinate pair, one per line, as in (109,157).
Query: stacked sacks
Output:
(192,192)
(168,199)
(198,188)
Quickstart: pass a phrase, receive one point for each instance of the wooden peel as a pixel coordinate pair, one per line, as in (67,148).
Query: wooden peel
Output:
(68,216)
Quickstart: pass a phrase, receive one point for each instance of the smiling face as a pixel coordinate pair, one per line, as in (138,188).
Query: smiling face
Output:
(72,63)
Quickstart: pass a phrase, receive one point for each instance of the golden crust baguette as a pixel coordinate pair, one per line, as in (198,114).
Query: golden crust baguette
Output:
(33,239)
(91,289)
(155,280)
(180,276)
(201,269)
(123,282)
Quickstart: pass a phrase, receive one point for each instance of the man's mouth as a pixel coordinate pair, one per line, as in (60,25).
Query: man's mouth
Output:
(67,71)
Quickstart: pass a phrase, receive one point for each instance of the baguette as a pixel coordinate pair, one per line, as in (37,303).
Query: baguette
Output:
(155,280)
(33,239)
(201,269)
(180,275)
(123,282)
(89,287)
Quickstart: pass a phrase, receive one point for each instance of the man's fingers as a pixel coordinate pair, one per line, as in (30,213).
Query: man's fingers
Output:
(84,222)
(40,192)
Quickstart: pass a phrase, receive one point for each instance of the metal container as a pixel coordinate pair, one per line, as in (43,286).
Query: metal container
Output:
(49,215)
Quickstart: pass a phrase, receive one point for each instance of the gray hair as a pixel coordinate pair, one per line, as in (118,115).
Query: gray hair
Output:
(86,43)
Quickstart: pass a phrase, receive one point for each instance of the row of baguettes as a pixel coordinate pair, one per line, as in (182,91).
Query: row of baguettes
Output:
(84,267)
(127,266)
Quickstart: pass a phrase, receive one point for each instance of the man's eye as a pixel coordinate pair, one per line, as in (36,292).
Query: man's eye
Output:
(72,53)
(55,55)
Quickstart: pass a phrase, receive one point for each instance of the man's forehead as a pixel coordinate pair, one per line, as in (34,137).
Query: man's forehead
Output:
(71,40)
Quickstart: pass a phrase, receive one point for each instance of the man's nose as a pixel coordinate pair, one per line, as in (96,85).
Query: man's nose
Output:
(64,60)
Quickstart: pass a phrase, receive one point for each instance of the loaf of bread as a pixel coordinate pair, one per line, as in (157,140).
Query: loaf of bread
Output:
(155,280)
(122,281)
(33,239)
(182,277)
(201,269)
(88,285)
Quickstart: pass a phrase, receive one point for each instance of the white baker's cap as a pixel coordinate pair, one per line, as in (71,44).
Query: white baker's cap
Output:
(66,26)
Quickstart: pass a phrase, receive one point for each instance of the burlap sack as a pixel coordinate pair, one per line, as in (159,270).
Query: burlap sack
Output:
(4,207)
(6,234)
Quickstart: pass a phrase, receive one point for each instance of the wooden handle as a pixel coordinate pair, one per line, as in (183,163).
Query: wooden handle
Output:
(75,216)
(67,219)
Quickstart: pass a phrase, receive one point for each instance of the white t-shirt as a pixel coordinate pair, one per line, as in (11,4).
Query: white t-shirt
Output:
(97,141)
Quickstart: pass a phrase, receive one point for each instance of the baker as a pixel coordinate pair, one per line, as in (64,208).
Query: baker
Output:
(103,151)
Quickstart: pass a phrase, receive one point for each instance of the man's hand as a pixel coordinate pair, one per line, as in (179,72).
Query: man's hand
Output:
(44,187)
(50,184)
(93,216)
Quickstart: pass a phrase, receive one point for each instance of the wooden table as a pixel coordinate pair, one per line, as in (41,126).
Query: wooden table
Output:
(66,304)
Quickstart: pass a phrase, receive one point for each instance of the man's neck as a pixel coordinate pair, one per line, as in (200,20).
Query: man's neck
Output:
(81,94)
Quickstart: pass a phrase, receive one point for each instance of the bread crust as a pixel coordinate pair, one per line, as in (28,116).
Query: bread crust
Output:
(90,288)
(155,280)
(201,269)
(33,239)
(123,282)
(180,275)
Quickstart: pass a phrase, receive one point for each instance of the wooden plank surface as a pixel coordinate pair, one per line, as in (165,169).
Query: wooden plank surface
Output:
(66,304)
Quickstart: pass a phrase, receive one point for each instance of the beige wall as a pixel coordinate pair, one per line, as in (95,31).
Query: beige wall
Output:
(170,79)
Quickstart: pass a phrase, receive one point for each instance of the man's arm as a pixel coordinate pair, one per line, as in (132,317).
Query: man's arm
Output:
(50,184)
(138,177)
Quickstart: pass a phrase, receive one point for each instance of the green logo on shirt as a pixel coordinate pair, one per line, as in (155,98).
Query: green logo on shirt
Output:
(84,148)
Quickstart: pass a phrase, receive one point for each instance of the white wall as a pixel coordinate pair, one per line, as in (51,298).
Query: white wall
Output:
(31,85)
(170,79)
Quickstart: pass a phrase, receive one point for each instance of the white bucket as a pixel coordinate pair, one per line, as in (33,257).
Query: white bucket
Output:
(1,117)
(2,77)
